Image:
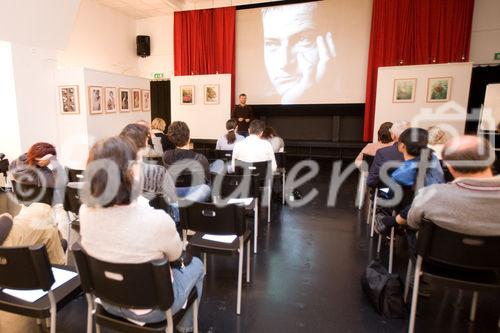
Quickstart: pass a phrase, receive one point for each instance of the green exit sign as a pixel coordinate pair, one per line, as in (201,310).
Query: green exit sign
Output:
(158,75)
(497,56)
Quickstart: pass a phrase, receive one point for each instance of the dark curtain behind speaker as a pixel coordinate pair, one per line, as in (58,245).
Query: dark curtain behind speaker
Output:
(481,77)
(160,100)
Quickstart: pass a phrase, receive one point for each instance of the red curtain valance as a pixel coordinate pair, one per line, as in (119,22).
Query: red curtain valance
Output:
(409,32)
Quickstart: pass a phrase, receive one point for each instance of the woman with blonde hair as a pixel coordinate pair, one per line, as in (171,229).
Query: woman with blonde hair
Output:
(158,127)
(437,139)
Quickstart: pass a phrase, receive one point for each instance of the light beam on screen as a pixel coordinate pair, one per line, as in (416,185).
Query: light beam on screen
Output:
(306,53)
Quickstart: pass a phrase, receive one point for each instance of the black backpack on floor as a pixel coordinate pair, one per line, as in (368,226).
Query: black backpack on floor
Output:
(384,290)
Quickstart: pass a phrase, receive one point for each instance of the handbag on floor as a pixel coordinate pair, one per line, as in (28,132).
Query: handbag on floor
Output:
(384,290)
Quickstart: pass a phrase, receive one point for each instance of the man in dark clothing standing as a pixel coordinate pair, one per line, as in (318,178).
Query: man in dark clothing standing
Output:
(243,114)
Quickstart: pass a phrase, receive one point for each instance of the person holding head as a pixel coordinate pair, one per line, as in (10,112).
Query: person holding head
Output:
(227,141)
(387,154)
(468,204)
(243,114)
(253,148)
(158,127)
(437,139)
(384,140)
(413,145)
(39,166)
(298,51)
(276,142)
(115,228)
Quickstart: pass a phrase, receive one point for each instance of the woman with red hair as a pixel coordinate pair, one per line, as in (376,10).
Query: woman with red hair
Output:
(38,166)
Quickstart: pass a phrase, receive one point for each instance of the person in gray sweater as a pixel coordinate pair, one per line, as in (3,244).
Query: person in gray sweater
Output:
(468,204)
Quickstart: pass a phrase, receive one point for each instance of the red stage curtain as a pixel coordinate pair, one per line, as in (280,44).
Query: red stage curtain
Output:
(204,42)
(409,32)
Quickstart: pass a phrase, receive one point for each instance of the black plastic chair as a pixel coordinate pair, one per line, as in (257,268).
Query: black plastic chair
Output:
(72,205)
(205,218)
(264,174)
(27,194)
(75,175)
(140,286)
(225,155)
(153,160)
(365,168)
(27,268)
(281,171)
(456,260)
(227,186)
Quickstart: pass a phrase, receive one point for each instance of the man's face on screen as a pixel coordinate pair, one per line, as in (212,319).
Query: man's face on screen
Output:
(292,49)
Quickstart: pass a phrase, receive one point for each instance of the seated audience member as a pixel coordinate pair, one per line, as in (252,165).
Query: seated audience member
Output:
(120,230)
(253,148)
(437,140)
(153,147)
(155,178)
(39,166)
(468,204)
(413,145)
(276,142)
(181,158)
(33,225)
(158,126)
(227,141)
(386,154)
(384,140)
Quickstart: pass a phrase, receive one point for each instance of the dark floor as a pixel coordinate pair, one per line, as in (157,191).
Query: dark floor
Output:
(306,278)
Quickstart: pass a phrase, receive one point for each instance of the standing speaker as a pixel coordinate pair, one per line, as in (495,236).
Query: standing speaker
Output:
(143,46)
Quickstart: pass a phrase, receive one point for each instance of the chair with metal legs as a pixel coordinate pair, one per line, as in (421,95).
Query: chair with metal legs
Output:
(455,260)
(281,171)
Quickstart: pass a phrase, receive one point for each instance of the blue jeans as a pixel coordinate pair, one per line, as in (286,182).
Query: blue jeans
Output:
(199,193)
(184,281)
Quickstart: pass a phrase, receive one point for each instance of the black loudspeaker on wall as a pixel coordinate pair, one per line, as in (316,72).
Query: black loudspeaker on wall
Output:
(143,46)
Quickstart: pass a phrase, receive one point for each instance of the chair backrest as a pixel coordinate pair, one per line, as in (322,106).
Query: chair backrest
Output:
(208,218)
(448,177)
(225,155)
(185,179)
(75,175)
(27,194)
(225,186)
(368,159)
(455,249)
(72,201)
(280,160)
(262,170)
(141,286)
(153,160)
(25,268)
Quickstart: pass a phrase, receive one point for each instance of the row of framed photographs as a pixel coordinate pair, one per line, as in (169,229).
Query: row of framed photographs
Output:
(438,90)
(210,94)
(105,100)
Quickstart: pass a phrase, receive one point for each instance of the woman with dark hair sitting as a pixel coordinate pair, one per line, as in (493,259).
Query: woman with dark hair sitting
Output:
(39,166)
(114,227)
(227,141)
(276,142)
(384,140)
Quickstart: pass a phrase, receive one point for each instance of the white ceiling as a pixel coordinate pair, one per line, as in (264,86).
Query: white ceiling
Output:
(149,8)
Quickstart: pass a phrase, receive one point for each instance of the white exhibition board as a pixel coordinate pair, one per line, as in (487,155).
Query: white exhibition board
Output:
(490,115)
(450,116)
(205,121)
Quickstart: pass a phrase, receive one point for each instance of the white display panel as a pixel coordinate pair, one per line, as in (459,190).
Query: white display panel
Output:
(307,53)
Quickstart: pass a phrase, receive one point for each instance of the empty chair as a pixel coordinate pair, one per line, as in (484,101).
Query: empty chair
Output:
(75,175)
(210,221)
(140,286)
(28,268)
(456,260)
(225,155)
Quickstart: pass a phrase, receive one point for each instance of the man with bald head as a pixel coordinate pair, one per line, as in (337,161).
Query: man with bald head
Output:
(469,204)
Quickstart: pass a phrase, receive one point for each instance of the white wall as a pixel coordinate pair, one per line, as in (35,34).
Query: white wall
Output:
(485,38)
(46,24)
(421,113)
(161,60)
(204,121)
(103,39)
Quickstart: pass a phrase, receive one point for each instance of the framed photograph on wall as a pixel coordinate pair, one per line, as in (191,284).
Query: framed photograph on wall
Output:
(69,99)
(439,89)
(211,94)
(146,100)
(110,100)
(404,90)
(187,94)
(124,100)
(136,99)
(95,100)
